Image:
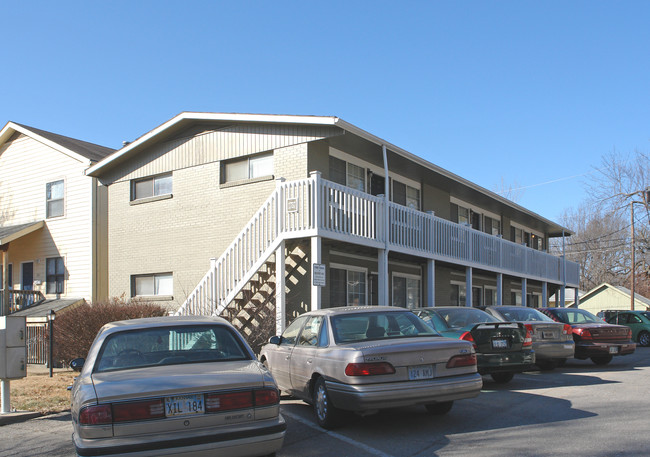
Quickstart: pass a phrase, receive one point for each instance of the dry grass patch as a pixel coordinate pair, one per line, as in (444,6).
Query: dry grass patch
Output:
(40,393)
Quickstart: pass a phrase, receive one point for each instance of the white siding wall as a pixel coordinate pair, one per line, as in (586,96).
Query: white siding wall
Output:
(26,166)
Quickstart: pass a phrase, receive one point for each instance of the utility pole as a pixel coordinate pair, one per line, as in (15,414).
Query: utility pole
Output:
(633,266)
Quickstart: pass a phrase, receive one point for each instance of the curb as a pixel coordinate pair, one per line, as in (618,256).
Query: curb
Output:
(18,416)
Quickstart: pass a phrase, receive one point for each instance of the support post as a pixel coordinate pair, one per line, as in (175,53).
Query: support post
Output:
(544,294)
(431,282)
(499,289)
(382,278)
(316,258)
(524,292)
(280,289)
(4,310)
(6,396)
(468,287)
(576,297)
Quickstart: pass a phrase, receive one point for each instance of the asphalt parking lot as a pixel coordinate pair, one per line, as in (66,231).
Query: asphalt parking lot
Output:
(580,409)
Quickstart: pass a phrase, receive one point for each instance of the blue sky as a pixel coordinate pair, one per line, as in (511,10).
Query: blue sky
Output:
(514,91)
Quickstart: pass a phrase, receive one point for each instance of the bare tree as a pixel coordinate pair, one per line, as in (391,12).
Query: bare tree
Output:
(617,209)
(512,192)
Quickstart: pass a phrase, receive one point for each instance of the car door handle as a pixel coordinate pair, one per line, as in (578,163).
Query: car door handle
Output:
(308,360)
(287,357)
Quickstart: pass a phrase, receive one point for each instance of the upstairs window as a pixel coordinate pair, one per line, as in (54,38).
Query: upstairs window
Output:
(54,196)
(55,275)
(347,173)
(406,195)
(151,187)
(248,168)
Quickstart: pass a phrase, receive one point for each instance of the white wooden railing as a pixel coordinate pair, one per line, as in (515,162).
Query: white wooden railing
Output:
(317,207)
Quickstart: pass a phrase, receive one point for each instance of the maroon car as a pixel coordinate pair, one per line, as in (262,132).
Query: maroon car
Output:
(594,338)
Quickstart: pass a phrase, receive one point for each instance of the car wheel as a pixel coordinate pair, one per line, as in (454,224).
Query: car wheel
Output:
(644,339)
(439,409)
(327,415)
(546,365)
(602,360)
(502,378)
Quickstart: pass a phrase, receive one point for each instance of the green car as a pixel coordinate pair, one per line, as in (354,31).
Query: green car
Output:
(638,321)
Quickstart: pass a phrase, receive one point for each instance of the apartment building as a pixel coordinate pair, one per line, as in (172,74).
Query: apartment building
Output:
(207,208)
(53,220)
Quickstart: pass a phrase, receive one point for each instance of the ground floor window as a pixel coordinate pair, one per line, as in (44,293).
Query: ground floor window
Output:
(515,298)
(348,286)
(152,284)
(406,291)
(55,275)
(490,296)
(458,294)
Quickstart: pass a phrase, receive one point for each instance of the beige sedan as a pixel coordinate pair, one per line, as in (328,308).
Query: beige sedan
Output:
(174,386)
(363,359)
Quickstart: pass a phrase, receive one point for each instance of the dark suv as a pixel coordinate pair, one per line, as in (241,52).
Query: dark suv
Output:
(594,338)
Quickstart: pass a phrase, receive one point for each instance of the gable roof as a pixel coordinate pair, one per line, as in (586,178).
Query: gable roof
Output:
(78,149)
(186,118)
(627,293)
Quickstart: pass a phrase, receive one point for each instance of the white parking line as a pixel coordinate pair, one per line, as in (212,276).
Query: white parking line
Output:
(338,436)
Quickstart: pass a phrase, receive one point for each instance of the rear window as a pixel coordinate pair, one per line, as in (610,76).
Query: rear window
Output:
(523,315)
(576,316)
(462,317)
(356,327)
(169,346)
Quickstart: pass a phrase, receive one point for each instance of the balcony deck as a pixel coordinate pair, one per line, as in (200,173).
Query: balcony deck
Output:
(344,214)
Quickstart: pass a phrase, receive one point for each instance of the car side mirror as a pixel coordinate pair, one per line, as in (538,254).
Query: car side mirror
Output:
(275,340)
(77,364)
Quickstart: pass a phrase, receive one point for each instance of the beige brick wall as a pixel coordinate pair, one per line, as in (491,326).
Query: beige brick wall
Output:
(182,233)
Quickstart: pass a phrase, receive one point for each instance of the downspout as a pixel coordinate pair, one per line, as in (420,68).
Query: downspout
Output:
(383,255)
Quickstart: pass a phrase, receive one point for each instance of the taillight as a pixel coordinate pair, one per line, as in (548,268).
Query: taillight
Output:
(530,328)
(141,410)
(528,339)
(567,330)
(583,333)
(228,401)
(464,360)
(467,336)
(369,369)
(629,333)
(266,397)
(96,415)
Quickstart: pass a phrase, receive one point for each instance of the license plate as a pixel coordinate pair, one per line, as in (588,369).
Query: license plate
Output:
(185,405)
(613,349)
(420,372)
(500,343)
(547,335)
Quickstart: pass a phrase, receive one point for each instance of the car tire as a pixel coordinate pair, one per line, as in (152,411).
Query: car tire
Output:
(327,415)
(502,377)
(644,339)
(439,409)
(602,360)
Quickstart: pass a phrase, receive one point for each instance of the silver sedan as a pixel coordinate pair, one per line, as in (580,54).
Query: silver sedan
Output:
(174,386)
(552,341)
(363,359)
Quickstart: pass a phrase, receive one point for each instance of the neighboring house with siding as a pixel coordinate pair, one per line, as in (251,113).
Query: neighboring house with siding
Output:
(607,297)
(302,194)
(52,219)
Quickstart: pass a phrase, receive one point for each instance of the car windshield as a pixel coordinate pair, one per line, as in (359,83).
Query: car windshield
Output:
(576,316)
(354,327)
(462,317)
(523,314)
(169,346)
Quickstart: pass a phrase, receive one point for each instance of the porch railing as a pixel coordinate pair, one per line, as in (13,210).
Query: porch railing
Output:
(315,206)
(20,299)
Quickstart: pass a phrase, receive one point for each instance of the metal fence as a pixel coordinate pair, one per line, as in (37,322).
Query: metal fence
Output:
(37,343)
